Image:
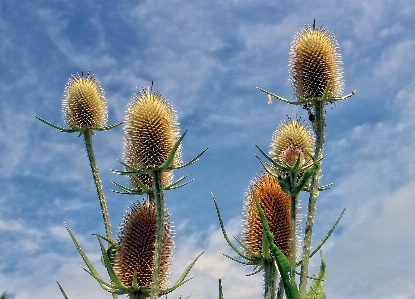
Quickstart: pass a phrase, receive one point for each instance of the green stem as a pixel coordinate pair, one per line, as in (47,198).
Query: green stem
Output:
(314,183)
(270,280)
(293,253)
(159,203)
(87,133)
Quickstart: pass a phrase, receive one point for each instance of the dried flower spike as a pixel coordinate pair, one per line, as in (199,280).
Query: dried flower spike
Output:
(84,103)
(277,207)
(150,133)
(137,245)
(315,63)
(290,140)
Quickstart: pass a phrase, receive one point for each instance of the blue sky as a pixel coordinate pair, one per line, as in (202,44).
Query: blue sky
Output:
(206,57)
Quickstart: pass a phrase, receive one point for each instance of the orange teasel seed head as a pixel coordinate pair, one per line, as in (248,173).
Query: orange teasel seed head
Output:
(277,207)
(315,62)
(84,103)
(137,239)
(151,131)
(290,140)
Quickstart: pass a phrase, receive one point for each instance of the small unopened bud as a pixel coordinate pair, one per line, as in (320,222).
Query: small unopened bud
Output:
(84,103)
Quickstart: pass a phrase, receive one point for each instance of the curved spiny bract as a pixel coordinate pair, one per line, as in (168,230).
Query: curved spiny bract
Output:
(315,63)
(135,253)
(151,131)
(277,207)
(84,104)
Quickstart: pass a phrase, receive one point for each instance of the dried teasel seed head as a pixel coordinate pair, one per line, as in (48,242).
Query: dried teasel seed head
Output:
(277,207)
(290,140)
(315,62)
(84,103)
(151,131)
(137,239)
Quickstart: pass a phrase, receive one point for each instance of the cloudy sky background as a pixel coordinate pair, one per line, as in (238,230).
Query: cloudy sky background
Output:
(206,57)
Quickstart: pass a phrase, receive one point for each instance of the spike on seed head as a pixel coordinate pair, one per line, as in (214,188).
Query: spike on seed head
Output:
(315,62)
(84,103)
(150,133)
(277,207)
(290,140)
(137,245)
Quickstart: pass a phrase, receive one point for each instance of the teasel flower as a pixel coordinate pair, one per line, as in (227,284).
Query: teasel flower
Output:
(84,104)
(277,207)
(136,246)
(293,140)
(315,64)
(151,131)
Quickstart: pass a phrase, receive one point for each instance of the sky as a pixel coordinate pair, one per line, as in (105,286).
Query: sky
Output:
(206,58)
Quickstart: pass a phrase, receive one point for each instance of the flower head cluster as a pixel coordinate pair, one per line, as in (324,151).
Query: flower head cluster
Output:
(150,133)
(135,253)
(84,103)
(293,140)
(277,207)
(315,63)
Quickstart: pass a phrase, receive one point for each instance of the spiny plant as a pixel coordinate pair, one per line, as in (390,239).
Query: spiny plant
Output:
(294,160)
(273,240)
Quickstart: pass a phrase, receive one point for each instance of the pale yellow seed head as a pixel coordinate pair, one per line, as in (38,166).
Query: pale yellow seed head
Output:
(84,103)
(137,245)
(315,62)
(290,140)
(277,207)
(151,130)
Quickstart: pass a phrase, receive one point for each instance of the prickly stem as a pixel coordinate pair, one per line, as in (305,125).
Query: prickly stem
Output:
(270,280)
(159,203)
(314,183)
(87,133)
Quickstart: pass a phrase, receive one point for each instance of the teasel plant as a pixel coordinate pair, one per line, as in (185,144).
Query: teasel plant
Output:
(316,76)
(85,111)
(139,262)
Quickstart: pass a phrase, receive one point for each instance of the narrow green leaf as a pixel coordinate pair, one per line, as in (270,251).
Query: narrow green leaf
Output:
(88,263)
(284,267)
(225,234)
(57,127)
(170,158)
(279,98)
(60,287)
(317,286)
(107,128)
(107,264)
(285,184)
(283,168)
(182,279)
(326,236)
(194,160)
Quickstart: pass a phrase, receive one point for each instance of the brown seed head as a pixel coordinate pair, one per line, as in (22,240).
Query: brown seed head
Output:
(291,139)
(315,62)
(277,207)
(84,103)
(150,133)
(137,239)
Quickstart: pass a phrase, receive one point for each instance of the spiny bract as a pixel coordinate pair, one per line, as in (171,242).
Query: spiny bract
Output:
(315,62)
(277,207)
(84,103)
(137,245)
